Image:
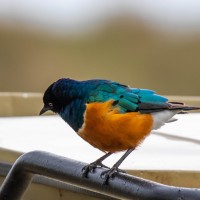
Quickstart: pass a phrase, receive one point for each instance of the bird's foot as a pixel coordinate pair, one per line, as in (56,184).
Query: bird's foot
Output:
(91,168)
(107,174)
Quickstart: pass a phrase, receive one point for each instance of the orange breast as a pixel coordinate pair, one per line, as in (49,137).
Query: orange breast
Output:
(108,130)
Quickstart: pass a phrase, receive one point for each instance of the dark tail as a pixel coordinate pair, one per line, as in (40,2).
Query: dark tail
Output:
(156,107)
(181,106)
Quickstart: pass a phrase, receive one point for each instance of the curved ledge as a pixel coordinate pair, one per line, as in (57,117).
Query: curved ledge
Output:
(122,186)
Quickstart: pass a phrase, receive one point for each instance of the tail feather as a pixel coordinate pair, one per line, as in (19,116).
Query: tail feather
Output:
(181,106)
(158,107)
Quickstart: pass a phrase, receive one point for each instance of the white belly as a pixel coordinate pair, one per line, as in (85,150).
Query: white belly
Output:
(160,118)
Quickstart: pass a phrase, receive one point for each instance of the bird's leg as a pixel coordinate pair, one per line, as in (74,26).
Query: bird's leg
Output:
(110,172)
(95,164)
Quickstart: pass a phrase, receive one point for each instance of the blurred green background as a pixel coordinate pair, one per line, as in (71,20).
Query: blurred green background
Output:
(124,48)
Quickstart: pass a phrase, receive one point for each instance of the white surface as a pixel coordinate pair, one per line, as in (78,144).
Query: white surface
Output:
(51,133)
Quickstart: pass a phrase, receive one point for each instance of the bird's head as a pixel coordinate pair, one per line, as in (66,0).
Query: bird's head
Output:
(50,101)
(57,96)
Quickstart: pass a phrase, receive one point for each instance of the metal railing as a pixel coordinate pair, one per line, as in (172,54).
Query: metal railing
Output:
(122,186)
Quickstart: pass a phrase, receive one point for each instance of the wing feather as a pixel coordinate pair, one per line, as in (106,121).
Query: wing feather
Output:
(128,99)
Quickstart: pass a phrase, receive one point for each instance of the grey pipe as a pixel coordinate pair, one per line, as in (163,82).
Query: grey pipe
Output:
(122,186)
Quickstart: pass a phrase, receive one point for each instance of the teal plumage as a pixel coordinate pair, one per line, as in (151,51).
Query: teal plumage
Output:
(128,99)
(69,98)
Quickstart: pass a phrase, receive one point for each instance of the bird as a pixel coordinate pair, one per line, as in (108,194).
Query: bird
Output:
(110,116)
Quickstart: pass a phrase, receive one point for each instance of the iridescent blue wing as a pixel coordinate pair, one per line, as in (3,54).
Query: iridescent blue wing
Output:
(128,99)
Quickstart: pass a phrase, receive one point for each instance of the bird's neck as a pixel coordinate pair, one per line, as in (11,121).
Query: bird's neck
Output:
(73,114)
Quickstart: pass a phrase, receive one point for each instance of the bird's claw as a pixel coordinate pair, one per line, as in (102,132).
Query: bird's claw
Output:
(107,174)
(87,169)
(91,168)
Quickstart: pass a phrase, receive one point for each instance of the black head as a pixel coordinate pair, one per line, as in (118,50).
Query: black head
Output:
(50,101)
(58,95)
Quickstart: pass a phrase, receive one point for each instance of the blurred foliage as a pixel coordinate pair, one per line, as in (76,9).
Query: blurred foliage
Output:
(126,52)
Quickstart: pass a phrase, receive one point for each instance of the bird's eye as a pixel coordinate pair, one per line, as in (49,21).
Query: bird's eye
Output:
(50,105)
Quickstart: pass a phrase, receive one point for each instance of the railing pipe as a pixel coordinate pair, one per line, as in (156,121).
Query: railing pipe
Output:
(122,186)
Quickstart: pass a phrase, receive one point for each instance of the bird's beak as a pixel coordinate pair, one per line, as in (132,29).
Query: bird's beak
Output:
(44,109)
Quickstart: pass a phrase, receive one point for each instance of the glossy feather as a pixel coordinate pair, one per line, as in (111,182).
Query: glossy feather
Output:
(69,98)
